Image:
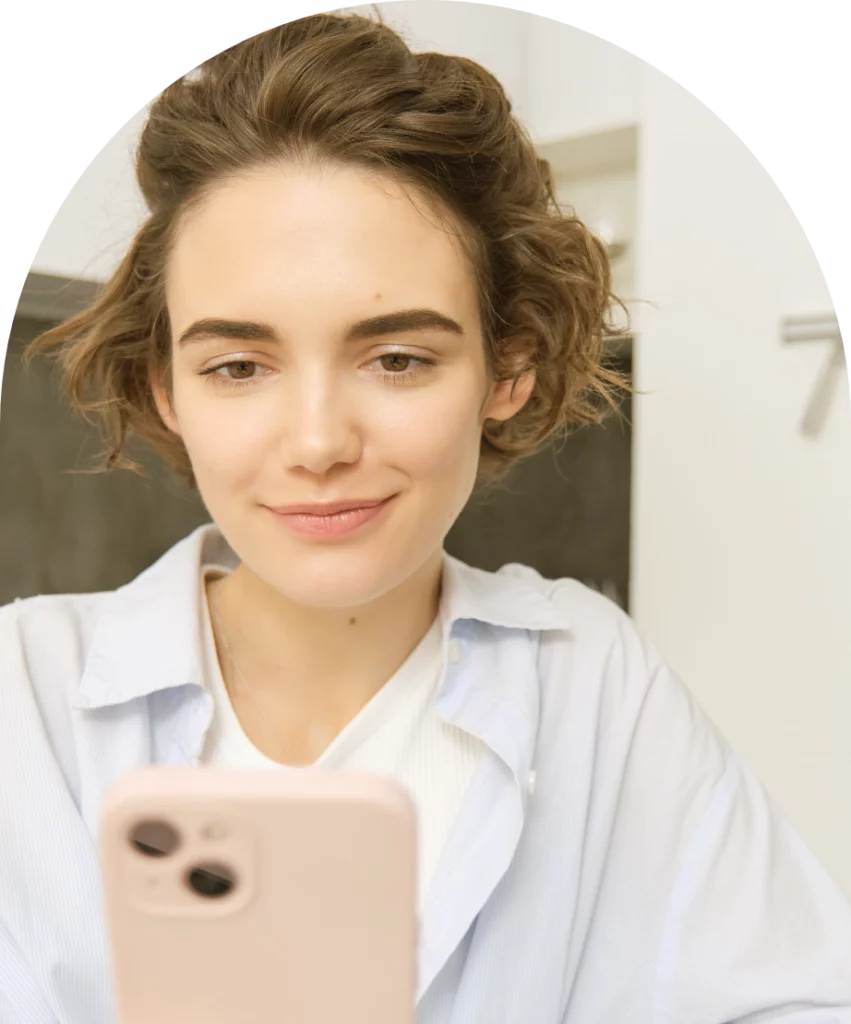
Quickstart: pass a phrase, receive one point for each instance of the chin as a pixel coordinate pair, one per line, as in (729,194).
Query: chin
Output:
(334,577)
(330,600)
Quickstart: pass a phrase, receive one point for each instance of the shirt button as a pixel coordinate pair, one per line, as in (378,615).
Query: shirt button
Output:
(454,651)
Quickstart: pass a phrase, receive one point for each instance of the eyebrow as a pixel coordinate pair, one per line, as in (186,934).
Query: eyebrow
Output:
(374,327)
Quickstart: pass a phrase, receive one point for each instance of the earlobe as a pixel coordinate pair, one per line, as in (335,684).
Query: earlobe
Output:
(508,397)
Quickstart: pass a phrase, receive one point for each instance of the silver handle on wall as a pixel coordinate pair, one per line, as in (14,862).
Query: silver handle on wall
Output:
(822,327)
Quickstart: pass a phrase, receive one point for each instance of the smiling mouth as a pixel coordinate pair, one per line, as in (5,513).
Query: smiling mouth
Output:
(334,526)
(328,508)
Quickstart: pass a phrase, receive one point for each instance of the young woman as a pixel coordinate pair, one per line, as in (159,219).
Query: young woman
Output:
(353,300)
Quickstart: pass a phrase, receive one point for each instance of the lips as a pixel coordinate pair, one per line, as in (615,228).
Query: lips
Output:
(328,508)
(331,526)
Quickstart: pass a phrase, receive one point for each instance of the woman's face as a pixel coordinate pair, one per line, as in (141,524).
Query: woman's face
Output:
(329,378)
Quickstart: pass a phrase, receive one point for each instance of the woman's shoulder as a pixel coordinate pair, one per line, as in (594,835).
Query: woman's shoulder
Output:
(44,646)
(590,616)
(50,611)
(44,639)
(590,638)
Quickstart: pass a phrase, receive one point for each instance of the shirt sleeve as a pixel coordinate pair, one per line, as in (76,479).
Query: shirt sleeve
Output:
(21,1000)
(754,930)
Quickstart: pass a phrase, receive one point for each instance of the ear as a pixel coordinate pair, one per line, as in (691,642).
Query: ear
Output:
(507,397)
(162,400)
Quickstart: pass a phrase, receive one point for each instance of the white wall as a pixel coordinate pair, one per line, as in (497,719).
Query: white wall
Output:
(96,222)
(741,555)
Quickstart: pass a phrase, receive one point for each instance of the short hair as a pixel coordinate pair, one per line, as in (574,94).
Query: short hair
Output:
(345,88)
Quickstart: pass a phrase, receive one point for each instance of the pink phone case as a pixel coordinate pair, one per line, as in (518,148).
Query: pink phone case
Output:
(258,897)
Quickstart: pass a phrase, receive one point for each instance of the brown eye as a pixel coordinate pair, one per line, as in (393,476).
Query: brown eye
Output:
(395,368)
(242,369)
(237,371)
(402,365)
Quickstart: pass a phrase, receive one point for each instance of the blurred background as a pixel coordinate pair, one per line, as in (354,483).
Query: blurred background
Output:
(716,512)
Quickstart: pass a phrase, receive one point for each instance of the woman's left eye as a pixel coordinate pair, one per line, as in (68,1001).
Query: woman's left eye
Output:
(401,366)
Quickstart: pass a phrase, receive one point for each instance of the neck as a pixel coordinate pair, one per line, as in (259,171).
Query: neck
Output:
(310,670)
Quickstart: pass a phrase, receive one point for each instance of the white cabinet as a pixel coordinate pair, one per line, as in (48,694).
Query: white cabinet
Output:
(596,178)
(577,84)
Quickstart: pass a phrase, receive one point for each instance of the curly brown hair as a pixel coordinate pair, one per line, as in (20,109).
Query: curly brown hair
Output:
(348,89)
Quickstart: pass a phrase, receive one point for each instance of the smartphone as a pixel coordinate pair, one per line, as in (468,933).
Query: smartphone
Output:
(258,897)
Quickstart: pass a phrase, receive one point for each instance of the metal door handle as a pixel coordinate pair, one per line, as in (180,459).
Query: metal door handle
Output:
(824,327)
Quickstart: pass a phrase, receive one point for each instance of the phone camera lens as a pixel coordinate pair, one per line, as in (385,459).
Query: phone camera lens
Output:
(155,838)
(211,880)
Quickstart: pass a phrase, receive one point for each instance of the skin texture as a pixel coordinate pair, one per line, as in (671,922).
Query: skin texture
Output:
(310,414)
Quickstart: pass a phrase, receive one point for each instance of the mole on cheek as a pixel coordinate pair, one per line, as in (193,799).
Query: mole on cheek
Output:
(352,622)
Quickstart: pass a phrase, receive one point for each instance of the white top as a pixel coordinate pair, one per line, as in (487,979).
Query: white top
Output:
(398,733)
(612,861)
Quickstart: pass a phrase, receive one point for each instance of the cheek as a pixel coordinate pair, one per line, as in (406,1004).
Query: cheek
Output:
(224,439)
(434,434)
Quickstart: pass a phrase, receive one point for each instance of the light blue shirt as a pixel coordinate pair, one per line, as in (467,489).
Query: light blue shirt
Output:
(613,861)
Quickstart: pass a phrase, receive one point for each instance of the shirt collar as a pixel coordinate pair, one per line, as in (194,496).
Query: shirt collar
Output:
(150,636)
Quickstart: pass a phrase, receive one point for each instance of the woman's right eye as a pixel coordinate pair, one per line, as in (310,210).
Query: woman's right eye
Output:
(235,371)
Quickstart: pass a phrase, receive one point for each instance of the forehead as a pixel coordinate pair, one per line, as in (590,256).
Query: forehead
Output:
(324,240)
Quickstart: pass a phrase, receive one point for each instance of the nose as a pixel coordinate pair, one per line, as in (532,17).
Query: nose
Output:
(321,429)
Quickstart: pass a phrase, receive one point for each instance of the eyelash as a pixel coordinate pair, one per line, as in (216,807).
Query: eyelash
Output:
(399,377)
